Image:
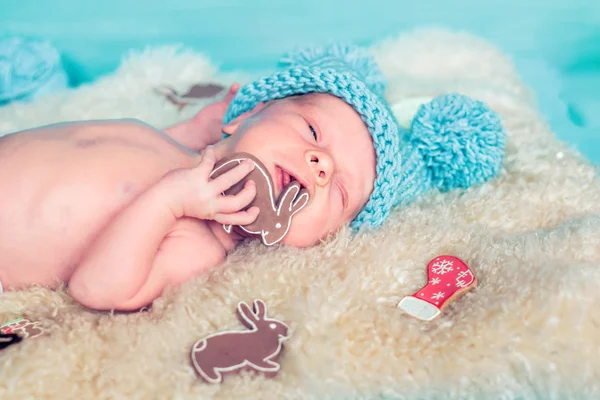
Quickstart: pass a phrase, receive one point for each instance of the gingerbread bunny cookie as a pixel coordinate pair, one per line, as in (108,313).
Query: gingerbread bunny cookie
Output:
(275,217)
(232,351)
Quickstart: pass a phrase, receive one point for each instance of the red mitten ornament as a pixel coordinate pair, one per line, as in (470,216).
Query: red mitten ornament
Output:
(447,278)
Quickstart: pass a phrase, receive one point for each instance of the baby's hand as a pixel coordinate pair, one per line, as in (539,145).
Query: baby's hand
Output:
(209,120)
(202,197)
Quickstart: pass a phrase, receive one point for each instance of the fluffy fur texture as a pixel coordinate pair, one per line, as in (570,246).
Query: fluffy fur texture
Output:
(530,330)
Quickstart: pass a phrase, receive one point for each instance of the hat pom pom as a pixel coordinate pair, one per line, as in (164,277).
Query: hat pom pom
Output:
(460,139)
(342,58)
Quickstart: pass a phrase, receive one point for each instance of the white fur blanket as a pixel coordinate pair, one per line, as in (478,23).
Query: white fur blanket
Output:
(530,330)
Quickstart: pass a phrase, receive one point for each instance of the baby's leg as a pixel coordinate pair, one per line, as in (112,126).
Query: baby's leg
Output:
(205,127)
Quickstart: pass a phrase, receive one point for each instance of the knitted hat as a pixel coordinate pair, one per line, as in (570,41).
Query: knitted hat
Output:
(454,141)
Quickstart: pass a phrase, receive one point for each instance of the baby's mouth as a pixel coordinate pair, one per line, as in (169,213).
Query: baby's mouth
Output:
(284,178)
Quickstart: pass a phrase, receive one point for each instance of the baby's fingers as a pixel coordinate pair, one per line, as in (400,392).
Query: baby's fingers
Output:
(230,204)
(208,161)
(233,176)
(239,218)
(233,89)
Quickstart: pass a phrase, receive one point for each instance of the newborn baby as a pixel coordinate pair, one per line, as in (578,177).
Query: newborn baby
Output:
(121,210)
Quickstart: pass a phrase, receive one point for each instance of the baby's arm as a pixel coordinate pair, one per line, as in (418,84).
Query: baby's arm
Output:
(138,254)
(205,127)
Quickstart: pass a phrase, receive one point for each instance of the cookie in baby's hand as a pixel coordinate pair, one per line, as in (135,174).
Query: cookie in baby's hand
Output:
(275,217)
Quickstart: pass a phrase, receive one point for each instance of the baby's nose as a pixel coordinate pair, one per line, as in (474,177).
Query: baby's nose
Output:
(321,165)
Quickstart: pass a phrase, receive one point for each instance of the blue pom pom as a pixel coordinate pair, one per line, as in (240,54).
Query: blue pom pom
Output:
(460,139)
(29,68)
(342,58)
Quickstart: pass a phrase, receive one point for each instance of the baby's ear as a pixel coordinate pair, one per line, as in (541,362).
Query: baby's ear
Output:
(232,127)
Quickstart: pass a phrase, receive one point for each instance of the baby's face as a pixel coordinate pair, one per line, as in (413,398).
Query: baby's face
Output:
(320,141)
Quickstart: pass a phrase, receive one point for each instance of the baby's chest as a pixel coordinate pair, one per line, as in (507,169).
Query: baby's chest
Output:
(63,188)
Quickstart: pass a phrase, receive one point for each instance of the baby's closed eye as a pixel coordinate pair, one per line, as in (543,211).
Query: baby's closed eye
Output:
(313,132)
(312,127)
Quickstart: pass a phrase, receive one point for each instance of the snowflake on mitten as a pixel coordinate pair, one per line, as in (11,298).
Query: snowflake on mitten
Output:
(442,267)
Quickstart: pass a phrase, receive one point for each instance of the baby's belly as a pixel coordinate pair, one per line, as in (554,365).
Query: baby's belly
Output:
(57,193)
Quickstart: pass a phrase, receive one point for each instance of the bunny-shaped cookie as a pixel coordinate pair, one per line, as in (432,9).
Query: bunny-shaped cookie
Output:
(231,351)
(274,220)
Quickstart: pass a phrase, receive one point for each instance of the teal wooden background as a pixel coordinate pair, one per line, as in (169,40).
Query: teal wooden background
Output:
(556,44)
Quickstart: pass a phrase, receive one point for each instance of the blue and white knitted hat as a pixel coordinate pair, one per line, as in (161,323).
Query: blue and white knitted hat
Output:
(454,141)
